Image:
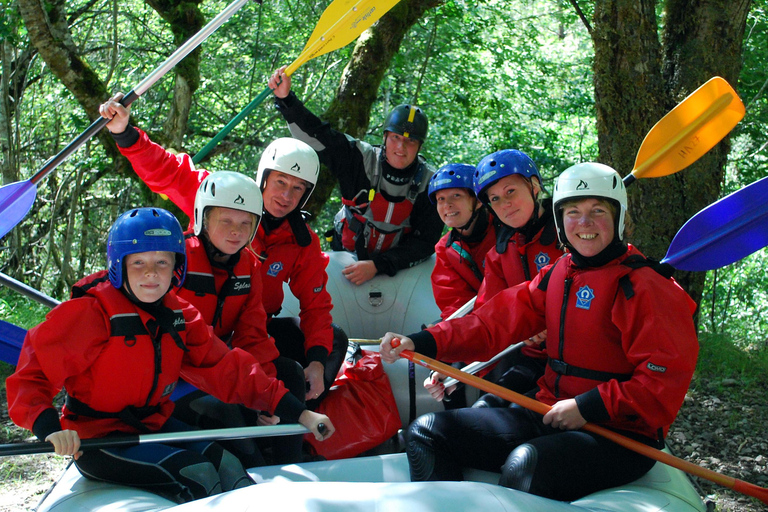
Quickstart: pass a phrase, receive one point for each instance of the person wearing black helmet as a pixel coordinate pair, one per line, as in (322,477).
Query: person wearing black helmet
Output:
(386,217)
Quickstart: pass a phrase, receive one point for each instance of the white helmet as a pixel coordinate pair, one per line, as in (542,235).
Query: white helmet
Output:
(589,179)
(293,157)
(228,189)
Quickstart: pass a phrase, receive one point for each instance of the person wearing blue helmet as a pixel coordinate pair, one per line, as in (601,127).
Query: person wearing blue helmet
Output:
(386,218)
(509,183)
(460,253)
(118,347)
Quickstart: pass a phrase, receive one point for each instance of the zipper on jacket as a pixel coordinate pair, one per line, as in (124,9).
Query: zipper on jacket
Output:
(561,346)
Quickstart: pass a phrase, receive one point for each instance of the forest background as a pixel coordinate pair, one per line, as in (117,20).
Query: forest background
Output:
(564,81)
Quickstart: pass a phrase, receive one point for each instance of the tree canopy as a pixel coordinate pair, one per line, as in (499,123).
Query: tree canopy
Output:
(564,81)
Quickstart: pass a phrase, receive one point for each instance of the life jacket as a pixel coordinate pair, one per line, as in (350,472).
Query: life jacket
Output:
(376,219)
(599,355)
(136,343)
(199,287)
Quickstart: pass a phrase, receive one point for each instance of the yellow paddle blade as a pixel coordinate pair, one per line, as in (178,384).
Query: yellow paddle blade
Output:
(689,130)
(341,23)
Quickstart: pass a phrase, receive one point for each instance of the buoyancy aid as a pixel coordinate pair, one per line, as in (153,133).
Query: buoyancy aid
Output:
(199,287)
(376,219)
(139,351)
(580,305)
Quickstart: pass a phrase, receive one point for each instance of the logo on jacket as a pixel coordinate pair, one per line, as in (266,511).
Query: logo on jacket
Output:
(656,368)
(275,269)
(169,389)
(584,297)
(541,260)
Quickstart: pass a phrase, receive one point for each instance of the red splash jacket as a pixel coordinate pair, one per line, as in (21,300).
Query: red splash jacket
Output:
(100,349)
(459,269)
(621,341)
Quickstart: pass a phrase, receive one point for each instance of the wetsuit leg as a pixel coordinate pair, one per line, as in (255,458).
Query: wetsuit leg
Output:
(440,444)
(206,412)
(286,449)
(181,472)
(289,340)
(521,376)
(567,465)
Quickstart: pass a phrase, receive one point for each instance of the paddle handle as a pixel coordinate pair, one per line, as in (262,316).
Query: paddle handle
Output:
(181,52)
(28,291)
(538,407)
(473,368)
(165,437)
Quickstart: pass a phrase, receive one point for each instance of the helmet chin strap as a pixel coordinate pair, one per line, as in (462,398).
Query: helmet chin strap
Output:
(471,219)
(213,251)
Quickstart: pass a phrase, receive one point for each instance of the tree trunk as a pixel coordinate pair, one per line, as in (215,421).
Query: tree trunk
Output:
(639,77)
(349,112)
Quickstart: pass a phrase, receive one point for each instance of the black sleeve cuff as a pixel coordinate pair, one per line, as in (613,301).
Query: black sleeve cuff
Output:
(46,424)
(591,406)
(127,138)
(288,102)
(289,409)
(384,266)
(425,343)
(317,353)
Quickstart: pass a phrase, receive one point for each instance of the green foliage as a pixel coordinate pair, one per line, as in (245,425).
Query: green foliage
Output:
(735,302)
(19,310)
(721,359)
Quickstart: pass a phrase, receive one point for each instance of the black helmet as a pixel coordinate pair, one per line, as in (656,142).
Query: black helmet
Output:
(408,121)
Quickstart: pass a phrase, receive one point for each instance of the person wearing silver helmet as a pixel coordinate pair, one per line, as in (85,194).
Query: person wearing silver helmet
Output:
(386,217)
(287,248)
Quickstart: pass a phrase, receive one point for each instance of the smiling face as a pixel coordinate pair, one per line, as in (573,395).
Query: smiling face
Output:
(400,151)
(282,193)
(455,206)
(149,274)
(227,229)
(589,225)
(511,199)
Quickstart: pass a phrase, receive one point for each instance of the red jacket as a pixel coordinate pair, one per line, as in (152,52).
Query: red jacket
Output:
(520,262)
(645,337)
(283,259)
(457,263)
(241,320)
(99,349)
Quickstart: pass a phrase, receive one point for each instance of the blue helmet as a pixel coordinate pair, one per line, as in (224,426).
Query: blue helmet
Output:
(144,230)
(451,176)
(499,165)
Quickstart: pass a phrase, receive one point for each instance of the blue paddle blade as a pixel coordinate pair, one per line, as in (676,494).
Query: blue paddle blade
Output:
(723,232)
(11,339)
(16,200)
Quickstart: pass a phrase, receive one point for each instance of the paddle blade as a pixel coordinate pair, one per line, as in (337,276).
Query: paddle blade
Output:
(16,200)
(689,130)
(341,23)
(726,231)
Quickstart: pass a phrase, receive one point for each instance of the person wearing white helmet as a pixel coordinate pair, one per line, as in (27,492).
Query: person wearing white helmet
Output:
(118,348)
(622,349)
(386,217)
(287,247)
